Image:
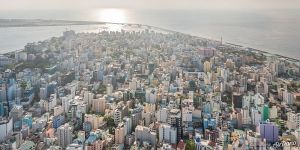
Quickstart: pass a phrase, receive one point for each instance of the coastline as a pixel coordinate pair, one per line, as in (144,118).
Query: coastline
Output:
(7,23)
(264,52)
(231,44)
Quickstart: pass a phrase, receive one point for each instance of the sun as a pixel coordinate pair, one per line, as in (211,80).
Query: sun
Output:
(112,15)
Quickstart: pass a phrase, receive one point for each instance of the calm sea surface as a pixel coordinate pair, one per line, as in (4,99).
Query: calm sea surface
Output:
(276,31)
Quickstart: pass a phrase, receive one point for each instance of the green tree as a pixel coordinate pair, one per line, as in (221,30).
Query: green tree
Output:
(101,89)
(190,145)
(109,121)
(23,85)
(111,130)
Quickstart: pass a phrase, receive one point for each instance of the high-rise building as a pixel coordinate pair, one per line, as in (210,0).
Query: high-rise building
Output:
(117,115)
(52,101)
(43,93)
(162,115)
(144,134)
(127,125)
(64,135)
(99,105)
(58,110)
(288,97)
(293,120)
(151,96)
(258,99)
(175,120)
(266,112)
(88,97)
(3,101)
(57,121)
(274,68)
(245,115)
(237,100)
(273,112)
(167,134)
(109,89)
(119,134)
(206,66)
(95,120)
(256,116)
(269,131)
(6,127)
(297,99)
(27,120)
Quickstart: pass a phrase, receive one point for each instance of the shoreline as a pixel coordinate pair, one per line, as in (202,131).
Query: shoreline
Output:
(44,23)
(13,23)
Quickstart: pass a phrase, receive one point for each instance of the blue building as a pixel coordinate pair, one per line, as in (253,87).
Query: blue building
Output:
(17,125)
(269,131)
(87,127)
(209,123)
(207,108)
(51,88)
(100,75)
(198,142)
(1,110)
(27,120)
(95,135)
(11,94)
(58,121)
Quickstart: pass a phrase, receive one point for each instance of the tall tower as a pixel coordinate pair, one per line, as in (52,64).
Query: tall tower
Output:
(221,40)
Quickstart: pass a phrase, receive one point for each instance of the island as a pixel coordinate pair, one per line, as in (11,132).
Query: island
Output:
(145,88)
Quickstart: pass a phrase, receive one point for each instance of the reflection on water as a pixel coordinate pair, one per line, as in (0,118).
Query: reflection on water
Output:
(100,28)
(112,27)
(112,15)
(274,31)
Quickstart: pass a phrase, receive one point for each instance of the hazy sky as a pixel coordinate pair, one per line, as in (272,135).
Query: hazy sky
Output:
(11,5)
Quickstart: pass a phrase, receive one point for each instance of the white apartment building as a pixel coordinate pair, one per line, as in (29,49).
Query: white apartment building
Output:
(64,135)
(167,134)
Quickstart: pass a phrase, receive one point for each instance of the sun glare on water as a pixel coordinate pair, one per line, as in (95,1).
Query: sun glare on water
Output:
(112,15)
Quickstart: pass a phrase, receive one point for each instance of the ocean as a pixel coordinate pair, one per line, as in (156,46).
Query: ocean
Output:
(274,31)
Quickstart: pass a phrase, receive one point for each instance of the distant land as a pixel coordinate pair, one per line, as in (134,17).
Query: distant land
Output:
(41,22)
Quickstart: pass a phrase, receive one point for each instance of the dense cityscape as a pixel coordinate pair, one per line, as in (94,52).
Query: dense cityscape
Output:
(147,89)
